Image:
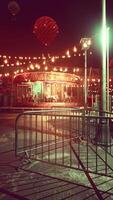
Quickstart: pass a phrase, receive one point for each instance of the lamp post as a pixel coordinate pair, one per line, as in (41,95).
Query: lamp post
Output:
(104,56)
(108,105)
(104,135)
(85,43)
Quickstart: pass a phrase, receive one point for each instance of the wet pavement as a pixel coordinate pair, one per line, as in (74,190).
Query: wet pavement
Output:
(20,179)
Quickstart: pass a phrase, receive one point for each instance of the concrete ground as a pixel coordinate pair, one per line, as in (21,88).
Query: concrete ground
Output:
(21,179)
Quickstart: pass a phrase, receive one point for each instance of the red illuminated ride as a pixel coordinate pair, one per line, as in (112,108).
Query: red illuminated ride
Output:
(46,30)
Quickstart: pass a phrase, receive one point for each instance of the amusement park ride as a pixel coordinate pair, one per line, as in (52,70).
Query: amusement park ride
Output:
(49,80)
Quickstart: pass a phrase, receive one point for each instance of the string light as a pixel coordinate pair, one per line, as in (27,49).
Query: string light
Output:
(5,61)
(46,68)
(53,59)
(74,49)
(35,63)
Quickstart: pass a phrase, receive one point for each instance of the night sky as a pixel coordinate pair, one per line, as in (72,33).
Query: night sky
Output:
(75,18)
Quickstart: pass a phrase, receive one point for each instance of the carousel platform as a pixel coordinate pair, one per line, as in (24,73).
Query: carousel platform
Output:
(38,106)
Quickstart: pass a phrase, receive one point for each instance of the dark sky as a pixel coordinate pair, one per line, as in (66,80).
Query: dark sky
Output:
(75,18)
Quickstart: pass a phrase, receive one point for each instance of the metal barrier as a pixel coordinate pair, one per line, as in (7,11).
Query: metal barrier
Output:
(72,138)
(53,136)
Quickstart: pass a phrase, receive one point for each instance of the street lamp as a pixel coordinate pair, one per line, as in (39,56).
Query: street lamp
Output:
(85,43)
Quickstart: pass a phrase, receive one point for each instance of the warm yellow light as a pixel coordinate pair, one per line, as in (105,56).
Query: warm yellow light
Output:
(76,79)
(46,68)
(74,49)
(85,45)
(17,63)
(89,42)
(5,61)
(20,57)
(63,56)
(31,66)
(37,66)
(57,57)
(68,53)
(53,59)
(44,62)
(65,70)
(6,74)
(43,57)
(54,69)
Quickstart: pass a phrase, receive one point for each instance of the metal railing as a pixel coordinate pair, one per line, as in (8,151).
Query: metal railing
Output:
(72,138)
(49,135)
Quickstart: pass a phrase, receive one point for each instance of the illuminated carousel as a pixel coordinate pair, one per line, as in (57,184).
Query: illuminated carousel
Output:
(47,89)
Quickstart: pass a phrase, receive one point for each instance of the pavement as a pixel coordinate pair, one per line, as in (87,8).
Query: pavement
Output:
(22,179)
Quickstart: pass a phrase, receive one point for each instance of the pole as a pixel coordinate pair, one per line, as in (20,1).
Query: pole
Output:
(103,84)
(85,81)
(104,131)
(108,69)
